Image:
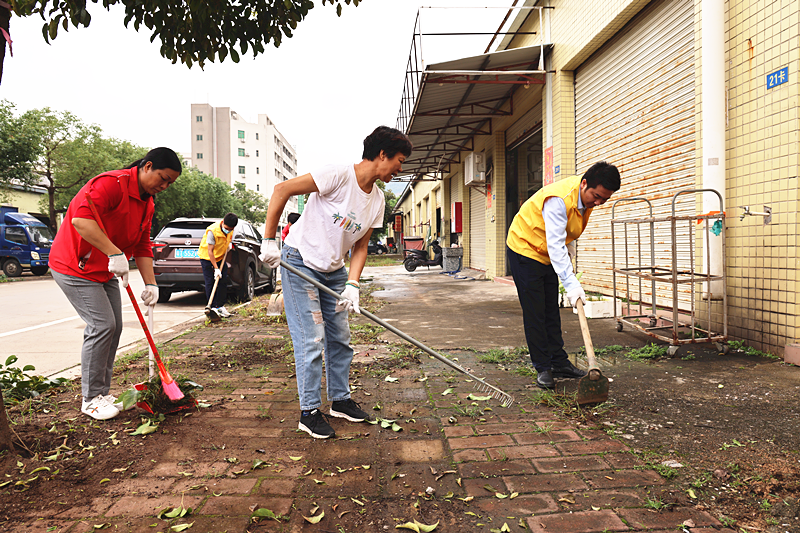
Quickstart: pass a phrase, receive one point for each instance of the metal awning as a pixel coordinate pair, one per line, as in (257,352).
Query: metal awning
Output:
(447,104)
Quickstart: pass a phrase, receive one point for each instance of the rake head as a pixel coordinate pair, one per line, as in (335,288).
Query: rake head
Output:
(504,398)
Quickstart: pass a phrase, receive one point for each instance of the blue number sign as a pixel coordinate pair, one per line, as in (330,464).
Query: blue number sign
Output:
(777,77)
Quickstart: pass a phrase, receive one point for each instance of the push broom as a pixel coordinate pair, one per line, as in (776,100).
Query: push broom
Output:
(505,399)
(168,384)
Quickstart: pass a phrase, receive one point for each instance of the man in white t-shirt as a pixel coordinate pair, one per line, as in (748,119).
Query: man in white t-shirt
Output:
(343,208)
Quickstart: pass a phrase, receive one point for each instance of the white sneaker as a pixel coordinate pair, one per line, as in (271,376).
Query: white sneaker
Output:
(99,408)
(223,312)
(116,402)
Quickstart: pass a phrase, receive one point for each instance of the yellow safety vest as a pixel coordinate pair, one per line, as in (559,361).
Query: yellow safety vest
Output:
(221,242)
(527,235)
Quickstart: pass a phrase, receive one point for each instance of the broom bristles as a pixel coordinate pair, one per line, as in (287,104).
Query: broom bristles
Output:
(171,389)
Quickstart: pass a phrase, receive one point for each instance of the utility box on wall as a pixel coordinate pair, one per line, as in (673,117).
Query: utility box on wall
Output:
(474,168)
(455,217)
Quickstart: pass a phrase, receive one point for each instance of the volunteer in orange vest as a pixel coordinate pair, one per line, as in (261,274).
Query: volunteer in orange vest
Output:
(216,240)
(540,246)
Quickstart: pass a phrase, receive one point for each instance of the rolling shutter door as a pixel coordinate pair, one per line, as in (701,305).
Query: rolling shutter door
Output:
(455,188)
(634,107)
(477,229)
(530,122)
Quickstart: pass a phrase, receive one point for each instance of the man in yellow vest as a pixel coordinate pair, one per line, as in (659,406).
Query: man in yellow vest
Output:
(538,255)
(216,240)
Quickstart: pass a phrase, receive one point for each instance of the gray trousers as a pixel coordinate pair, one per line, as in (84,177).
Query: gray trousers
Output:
(100,306)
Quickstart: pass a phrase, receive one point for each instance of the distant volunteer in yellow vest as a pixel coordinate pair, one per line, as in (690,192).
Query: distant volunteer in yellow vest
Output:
(216,240)
(540,245)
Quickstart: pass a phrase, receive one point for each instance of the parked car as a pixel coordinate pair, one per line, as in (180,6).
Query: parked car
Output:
(376,248)
(177,265)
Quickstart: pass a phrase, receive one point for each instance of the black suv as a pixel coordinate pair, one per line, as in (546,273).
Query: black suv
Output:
(177,265)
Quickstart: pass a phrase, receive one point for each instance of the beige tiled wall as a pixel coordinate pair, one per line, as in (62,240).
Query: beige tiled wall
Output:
(762,169)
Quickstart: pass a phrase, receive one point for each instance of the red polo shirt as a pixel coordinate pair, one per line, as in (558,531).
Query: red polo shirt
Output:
(126,217)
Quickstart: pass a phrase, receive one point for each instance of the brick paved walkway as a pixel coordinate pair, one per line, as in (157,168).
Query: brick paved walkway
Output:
(487,465)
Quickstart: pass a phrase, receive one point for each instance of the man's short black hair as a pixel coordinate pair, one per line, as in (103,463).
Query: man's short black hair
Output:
(230,220)
(390,140)
(602,173)
(293,217)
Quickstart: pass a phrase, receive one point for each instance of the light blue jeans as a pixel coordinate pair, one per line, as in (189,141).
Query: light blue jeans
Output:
(315,325)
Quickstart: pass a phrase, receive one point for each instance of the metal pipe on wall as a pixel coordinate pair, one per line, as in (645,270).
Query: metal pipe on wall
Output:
(713,124)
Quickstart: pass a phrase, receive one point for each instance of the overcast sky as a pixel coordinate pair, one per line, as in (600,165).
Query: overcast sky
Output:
(325,89)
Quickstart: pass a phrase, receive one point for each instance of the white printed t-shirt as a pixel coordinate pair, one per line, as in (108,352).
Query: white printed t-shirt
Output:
(335,218)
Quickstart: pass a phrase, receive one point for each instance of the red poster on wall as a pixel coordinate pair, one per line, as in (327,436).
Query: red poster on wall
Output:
(548,165)
(488,196)
(398,222)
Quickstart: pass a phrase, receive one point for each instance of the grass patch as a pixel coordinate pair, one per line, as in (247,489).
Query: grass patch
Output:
(651,351)
(503,356)
(749,350)
(365,333)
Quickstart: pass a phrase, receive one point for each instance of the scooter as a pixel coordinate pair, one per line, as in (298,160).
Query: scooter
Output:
(417,258)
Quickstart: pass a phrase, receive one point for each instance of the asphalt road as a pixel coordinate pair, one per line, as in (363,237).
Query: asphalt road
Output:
(42,329)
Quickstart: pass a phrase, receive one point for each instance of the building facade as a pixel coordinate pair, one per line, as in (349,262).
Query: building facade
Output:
(228,147)
(681,95)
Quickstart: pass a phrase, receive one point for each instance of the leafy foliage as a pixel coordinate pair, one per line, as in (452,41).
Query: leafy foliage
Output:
(19,148)
(16,385)
(190,32)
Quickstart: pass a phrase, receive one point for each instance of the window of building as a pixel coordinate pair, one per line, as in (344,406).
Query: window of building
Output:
(241,134)
(241,152)
(258,170)
(258,187)
(199,155)
(241,169)
(256,136)
(256,153)
(199,118)
(199,137)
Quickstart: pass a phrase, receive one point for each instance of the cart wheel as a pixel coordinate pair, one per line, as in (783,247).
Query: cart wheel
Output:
(672,350)
(723,349)
(653,322)
(619,326)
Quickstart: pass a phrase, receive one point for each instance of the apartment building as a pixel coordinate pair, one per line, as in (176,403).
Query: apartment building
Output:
(234,150)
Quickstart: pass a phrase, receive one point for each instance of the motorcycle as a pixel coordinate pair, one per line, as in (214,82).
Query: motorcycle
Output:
(417,258)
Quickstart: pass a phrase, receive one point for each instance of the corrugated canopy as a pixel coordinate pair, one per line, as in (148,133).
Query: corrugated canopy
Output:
(448,103)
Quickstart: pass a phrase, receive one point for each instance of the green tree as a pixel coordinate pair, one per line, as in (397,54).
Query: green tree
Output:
(19,148)
(190,32)
(249,205)
(391,200)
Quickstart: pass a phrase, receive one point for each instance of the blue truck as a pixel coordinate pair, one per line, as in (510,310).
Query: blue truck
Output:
(24,243)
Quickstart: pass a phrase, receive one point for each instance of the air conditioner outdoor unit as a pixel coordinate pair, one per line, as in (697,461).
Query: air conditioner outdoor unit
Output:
(474,168)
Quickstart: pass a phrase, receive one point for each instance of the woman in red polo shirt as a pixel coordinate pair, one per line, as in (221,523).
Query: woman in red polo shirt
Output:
(85,263)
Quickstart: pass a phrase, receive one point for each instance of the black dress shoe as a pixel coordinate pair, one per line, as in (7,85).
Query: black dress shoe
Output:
(544,379)
(570,371)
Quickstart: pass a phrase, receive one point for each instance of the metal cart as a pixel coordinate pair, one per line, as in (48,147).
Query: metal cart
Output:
(680,326)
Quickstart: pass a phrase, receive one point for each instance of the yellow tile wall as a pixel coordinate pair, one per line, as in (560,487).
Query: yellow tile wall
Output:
(762,169)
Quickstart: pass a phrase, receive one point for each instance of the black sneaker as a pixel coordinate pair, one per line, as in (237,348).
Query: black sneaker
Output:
(570,371)
(316,425)
(350,410)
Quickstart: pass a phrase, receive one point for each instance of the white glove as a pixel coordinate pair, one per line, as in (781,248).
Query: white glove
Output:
(217,273)
(270,253)
(150,295)
(118,265)
(571,250)
(350,302)
(576,294)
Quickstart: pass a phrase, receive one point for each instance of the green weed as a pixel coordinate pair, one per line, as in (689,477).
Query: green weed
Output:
(749,350)
(17,385)
(651,351)
(658,505)
(500,356)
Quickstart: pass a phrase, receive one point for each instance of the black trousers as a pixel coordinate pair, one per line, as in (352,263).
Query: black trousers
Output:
(537,288)
(221,296)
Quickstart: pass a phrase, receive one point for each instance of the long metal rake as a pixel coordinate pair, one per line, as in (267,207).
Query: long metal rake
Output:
(505,399)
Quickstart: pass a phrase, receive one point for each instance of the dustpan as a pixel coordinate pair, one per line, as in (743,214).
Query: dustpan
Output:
(275,307)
